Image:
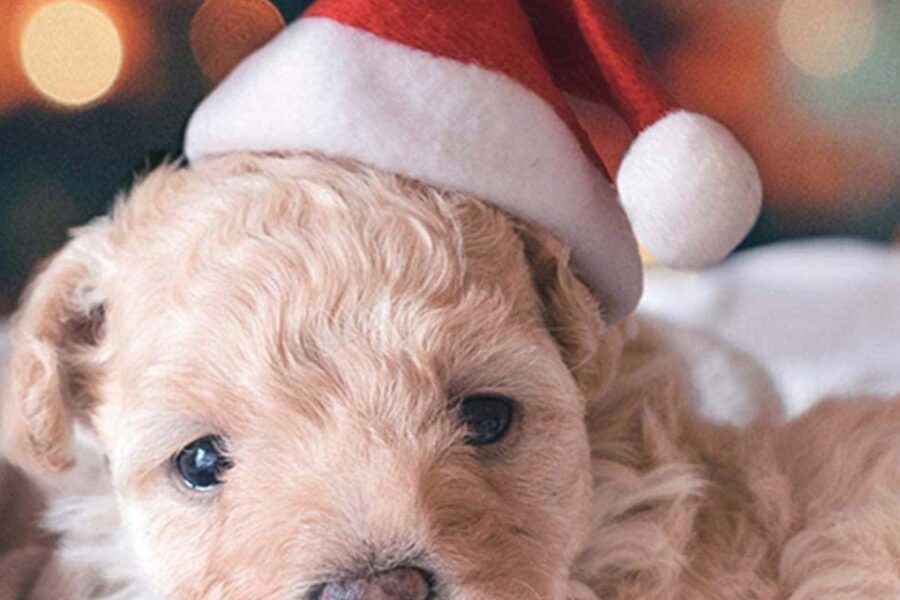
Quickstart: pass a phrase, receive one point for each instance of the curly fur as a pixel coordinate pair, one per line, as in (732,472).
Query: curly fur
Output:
(323,317)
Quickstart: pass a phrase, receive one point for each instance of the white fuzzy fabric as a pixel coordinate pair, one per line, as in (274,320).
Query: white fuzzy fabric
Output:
(822,316)
(729,385)
(323,86)
(690,190)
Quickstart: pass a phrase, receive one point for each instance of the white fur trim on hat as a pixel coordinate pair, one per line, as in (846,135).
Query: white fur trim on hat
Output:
(690,190)
(326,87)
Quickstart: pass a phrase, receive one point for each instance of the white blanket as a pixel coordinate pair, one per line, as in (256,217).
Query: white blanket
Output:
(822,316)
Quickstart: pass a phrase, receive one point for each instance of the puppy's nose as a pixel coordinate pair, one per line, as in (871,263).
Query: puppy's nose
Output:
(403,583)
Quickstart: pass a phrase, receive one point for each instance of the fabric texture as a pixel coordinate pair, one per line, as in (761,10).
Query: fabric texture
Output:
(474,97)
(822,317)
(447,29)
(593,56)
(433,119)
(679,158)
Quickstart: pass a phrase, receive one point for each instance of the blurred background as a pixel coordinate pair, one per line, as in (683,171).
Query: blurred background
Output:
(93,92)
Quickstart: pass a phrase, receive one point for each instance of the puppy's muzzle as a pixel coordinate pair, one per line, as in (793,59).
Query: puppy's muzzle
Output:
(402,583)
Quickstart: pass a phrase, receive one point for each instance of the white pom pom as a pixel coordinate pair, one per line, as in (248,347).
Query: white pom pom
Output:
(690,190)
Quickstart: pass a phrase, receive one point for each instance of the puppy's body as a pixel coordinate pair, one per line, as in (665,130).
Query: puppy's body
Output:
(325,319)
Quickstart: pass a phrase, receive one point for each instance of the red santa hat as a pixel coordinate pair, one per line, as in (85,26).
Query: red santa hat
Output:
(475,96)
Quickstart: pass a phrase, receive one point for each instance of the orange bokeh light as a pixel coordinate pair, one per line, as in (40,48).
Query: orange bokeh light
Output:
(827,38)
(14,87)
(71,52)
(136,32)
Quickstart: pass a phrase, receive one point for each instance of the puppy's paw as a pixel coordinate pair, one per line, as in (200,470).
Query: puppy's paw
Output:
(579,591)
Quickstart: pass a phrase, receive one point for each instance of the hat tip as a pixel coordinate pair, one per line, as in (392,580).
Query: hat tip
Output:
(690,190)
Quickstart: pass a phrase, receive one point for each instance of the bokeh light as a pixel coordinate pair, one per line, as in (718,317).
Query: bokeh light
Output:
(727,62)
(827,38)
(71,52)
(224,32)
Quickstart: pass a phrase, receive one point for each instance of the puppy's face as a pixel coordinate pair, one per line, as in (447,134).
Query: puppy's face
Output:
(312,380)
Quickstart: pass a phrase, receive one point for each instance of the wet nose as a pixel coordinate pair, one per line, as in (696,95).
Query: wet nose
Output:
(403,583)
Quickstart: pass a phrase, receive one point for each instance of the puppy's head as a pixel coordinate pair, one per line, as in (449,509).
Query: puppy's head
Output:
(313,380)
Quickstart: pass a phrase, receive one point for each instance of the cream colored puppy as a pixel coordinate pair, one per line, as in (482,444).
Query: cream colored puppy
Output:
(313,380)
(299,379)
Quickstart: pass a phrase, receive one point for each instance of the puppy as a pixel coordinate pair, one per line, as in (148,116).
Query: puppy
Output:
(286,377)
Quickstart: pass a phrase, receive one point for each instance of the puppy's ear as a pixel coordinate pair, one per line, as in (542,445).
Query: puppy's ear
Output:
(57,326)
(572,314)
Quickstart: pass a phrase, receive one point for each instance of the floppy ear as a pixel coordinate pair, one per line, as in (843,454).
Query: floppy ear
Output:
(59,323)
(572,314)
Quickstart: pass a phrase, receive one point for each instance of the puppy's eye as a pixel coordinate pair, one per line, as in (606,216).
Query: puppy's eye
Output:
(487,418)
(202,463)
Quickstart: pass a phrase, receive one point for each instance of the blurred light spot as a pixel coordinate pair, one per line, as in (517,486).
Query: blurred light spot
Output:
(71,52)
(224,32)
(827,38)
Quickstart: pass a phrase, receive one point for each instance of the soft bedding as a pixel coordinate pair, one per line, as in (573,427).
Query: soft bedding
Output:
(822,317)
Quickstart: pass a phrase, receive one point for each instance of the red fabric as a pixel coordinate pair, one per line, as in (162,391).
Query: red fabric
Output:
(584,44)
(493,34)
(592,54)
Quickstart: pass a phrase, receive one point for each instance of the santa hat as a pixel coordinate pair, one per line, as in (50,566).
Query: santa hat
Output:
(474,96)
